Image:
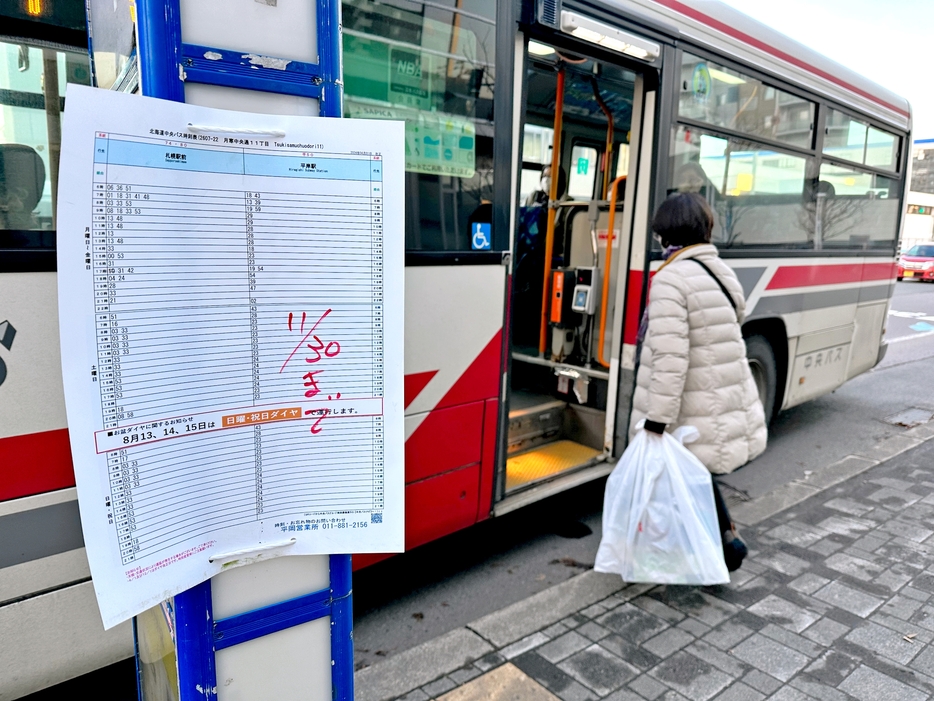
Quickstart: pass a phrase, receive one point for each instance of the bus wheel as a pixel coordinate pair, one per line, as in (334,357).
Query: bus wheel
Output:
(762,364)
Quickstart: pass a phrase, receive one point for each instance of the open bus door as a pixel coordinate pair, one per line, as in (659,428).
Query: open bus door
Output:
(579,255)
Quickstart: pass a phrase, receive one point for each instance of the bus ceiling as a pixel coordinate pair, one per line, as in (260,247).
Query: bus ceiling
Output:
(610,27)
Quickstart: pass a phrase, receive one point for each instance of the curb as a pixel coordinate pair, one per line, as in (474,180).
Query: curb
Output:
(421,664)
(751,512)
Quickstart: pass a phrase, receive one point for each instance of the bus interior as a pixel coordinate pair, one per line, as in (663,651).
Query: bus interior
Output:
(578,116)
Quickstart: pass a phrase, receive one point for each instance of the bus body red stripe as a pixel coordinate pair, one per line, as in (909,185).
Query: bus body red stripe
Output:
(35,463)
(811,275)
(699,16)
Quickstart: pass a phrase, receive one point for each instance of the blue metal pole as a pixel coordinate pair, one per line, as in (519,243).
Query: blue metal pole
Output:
(330,58)
(194,626)
(139,666)
(160,42)
(341,628)
(330,62)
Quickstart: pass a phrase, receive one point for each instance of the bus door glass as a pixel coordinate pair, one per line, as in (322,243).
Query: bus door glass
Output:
(570,253)
(32,80)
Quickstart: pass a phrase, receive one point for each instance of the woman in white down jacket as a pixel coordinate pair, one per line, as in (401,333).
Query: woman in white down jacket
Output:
(693,369)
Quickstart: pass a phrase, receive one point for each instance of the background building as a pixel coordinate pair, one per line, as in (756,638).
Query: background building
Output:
(919,222)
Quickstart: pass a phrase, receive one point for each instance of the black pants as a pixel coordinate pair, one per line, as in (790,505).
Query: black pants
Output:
(723,516)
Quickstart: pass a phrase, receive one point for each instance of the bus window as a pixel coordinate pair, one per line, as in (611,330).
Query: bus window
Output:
(855,209)
(33,81)
(853,140)
(757,193)
(583,172)
(881,149)
(536,154)
(433,68)
(845,137)
(723,97)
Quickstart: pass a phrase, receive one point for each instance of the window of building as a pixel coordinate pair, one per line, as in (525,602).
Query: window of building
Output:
(854,209)
(758,195)
(725,98)
(432,67)
(853,140)
(32,97)
(922,169)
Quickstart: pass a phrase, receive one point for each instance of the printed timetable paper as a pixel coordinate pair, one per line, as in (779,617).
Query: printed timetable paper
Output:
(231,295)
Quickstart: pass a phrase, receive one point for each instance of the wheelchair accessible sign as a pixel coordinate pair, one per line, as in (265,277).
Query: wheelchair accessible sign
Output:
(480,237)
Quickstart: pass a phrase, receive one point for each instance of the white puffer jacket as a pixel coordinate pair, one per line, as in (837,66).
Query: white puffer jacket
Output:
(693,369)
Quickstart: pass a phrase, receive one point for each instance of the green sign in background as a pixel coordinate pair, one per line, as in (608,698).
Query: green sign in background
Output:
(383,81)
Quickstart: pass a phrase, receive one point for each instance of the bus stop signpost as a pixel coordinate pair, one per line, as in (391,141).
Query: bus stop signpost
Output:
(280,627)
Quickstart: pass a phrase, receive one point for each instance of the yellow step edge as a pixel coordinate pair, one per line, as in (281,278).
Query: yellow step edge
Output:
(547,461)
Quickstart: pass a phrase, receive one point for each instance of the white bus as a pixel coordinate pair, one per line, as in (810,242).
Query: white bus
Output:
(523,300)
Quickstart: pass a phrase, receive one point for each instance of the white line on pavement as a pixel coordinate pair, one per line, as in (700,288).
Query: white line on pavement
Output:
(910,338)
(908,315)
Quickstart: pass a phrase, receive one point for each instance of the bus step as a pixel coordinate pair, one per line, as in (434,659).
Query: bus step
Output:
(546,462)
(534,420)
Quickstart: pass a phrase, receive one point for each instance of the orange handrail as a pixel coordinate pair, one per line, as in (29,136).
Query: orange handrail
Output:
(606,274)
(552,200)
(610,137)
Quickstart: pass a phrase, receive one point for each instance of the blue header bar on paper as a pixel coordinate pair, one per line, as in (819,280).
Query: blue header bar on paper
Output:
(306,167)
(233,162)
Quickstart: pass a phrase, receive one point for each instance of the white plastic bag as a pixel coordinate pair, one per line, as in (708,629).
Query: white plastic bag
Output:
(659,517)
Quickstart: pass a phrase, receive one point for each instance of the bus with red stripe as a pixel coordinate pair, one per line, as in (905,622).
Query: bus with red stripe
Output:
(540,137)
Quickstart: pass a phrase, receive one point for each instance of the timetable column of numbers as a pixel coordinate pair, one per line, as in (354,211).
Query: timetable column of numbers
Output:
(376,262)
(102,240)
(376,266)
(378,501)
(123,473)
(120,470)
(253,204)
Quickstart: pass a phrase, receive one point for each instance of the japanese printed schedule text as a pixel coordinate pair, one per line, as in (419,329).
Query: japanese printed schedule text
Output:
(238,370)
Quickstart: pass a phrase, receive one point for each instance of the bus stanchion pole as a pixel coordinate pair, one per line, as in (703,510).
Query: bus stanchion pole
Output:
(552,211)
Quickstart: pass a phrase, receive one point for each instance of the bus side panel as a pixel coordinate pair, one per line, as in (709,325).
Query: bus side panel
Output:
(51,638)
(870,321)
(453,361)
(440,505)
(627,361)
(34,452)
(457,427)
(488,462)
(35,463)
(832,310)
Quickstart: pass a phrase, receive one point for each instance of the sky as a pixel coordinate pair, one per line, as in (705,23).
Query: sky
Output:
(890,42)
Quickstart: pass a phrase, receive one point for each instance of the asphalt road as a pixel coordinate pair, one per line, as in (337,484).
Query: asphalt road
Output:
(436,588)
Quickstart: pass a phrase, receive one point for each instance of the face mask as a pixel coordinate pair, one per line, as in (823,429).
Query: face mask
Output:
(546,184)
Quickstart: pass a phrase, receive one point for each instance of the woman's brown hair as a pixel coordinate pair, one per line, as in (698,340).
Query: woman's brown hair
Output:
(684,219)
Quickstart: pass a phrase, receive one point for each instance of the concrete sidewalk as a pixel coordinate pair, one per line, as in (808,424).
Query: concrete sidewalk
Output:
(836,601)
